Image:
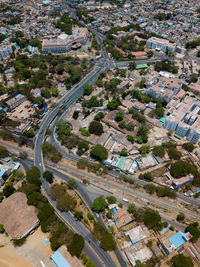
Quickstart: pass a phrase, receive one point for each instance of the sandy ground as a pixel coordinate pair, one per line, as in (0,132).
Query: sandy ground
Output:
(8,258)
(30,254)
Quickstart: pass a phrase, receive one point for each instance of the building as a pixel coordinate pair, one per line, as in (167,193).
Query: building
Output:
(5,50)
(164,45)
(136,234)
(139,54)
(184,119)
(17,217)
(160,44)
(164,87)
(175,241)
(5,172)
(15,101)
(137,251)
(182,181)
(62,258)
(195,88)
(64,43)
(121,217)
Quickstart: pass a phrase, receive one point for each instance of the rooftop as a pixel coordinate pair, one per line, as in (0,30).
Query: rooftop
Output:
(16,216)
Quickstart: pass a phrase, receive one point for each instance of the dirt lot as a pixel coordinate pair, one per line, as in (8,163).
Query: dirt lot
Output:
(30,254)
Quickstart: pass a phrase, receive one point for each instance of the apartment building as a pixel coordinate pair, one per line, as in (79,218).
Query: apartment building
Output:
(164,87)
(64,43)
(184,119)
(164,45)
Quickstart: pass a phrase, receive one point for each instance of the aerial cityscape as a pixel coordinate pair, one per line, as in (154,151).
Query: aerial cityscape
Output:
(99,133)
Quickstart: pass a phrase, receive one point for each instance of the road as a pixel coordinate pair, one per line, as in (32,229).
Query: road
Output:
(88,195)
(93,250)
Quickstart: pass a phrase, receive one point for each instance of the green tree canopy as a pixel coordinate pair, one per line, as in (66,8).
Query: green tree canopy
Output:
(76,245)
(193,228)
(159,151)
(152,219)
(96,128)
(71,183)
(99,204)
(181,261)
(111,199)
(182,168)
(99,152)
(48,176)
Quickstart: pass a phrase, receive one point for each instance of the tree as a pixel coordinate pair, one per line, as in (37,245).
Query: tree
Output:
(182,168)
(48,176)
(33,176)
(193,228)
(66,202)
(123,152)
(51,152)
(159,151)
(57,190)
(188,146)
(1,229)
(99,116)
(132,65)
(96,128)
(131,208)
(83,145)
(144,149)
(75,114)
(99,204)
(107,242)
(180,217)
(146,176)
(71,183)
(3,152)
(8,190)
(99,152)
(152,219)
(130,139)
(150,188)
(76,245)
(119,115)
(122,124)
(87,89)
(111,199)
(174,153)
(113,104)
(78,215)
(181,261)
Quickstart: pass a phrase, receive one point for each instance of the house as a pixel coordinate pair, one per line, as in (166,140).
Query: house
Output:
(136,234)
(62,258)
(15,101)
(175,241)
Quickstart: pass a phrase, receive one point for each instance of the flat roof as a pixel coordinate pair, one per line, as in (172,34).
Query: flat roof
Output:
(178,239)
(59,260)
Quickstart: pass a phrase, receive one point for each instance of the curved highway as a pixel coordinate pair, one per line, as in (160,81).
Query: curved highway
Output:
(98,255)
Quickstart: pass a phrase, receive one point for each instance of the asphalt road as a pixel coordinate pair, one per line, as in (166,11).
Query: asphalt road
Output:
(86,195)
